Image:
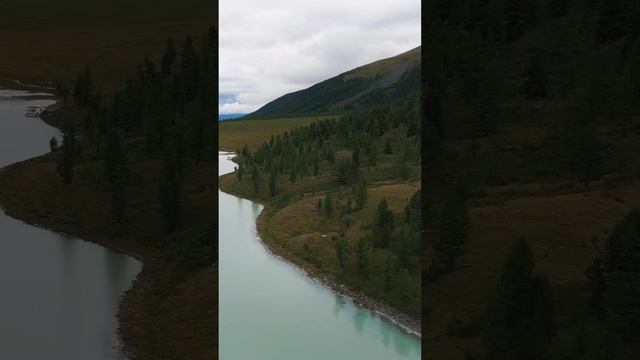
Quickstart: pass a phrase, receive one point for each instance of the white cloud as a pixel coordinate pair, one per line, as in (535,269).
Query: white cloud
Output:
(234,108)
(272,47)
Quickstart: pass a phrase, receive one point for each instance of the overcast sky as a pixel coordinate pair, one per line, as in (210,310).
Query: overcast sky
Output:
(272,47)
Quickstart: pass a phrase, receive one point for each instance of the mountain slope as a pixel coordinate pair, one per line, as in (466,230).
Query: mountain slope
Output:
(383,81)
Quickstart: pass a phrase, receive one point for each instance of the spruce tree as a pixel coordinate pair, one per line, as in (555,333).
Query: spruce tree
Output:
(84,89)
(402,285)
(170,58)
(118,193)
(190,69)
(272,184)
(452,235)
(389,271)
(383,224)
(362,256)
(170,197)
(115,153)
(405,246)
(360,195)
(595,279)
(328,205)
(340,244)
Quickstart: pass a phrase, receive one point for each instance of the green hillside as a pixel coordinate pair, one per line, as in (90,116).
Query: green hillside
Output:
(385,81)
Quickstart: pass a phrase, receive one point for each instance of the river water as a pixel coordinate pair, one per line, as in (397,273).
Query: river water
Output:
(270,310)
(59,295)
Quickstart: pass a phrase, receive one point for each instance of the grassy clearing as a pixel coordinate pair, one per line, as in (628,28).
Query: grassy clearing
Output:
(234,134)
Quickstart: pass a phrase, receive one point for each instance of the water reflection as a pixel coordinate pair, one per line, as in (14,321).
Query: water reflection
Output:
(359,318)
(339,305)
(385,335)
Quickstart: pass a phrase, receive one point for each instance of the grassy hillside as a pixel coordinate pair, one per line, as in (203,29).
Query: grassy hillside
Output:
(235,134)
(43,41)
(533,141)
(385,81)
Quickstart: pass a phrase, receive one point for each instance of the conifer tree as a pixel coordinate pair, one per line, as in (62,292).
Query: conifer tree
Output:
(597,287)
(118,193)
(383,224)
(387,147)
(84,89)
(340,244)
(405,246)
(170,197)
(362,256)
(115,153)
(170,58)
(328,205)
(272,184)
(413,210)
(63,92)
(453,233)
(402,285)
(361,194)
(512,307)
(389,271)
(189,69)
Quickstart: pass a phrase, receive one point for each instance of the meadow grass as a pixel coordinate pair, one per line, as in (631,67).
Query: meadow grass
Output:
(234,134)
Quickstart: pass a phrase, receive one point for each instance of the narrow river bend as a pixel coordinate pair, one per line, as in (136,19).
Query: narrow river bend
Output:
(59,295)
(270,310)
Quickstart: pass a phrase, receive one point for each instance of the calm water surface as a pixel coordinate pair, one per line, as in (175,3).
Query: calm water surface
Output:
(59,295)
(269,310)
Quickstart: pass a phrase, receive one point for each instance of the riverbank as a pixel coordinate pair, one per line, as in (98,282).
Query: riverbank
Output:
(160,297)
(403,321)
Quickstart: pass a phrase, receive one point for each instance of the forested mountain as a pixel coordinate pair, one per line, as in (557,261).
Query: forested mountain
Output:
(532,133)
(385,81)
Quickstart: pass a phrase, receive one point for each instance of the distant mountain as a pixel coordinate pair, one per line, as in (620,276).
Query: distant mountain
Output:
(230,116)
(384,81)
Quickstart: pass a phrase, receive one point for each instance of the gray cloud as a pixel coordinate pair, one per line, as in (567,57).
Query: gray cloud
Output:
(272,47)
